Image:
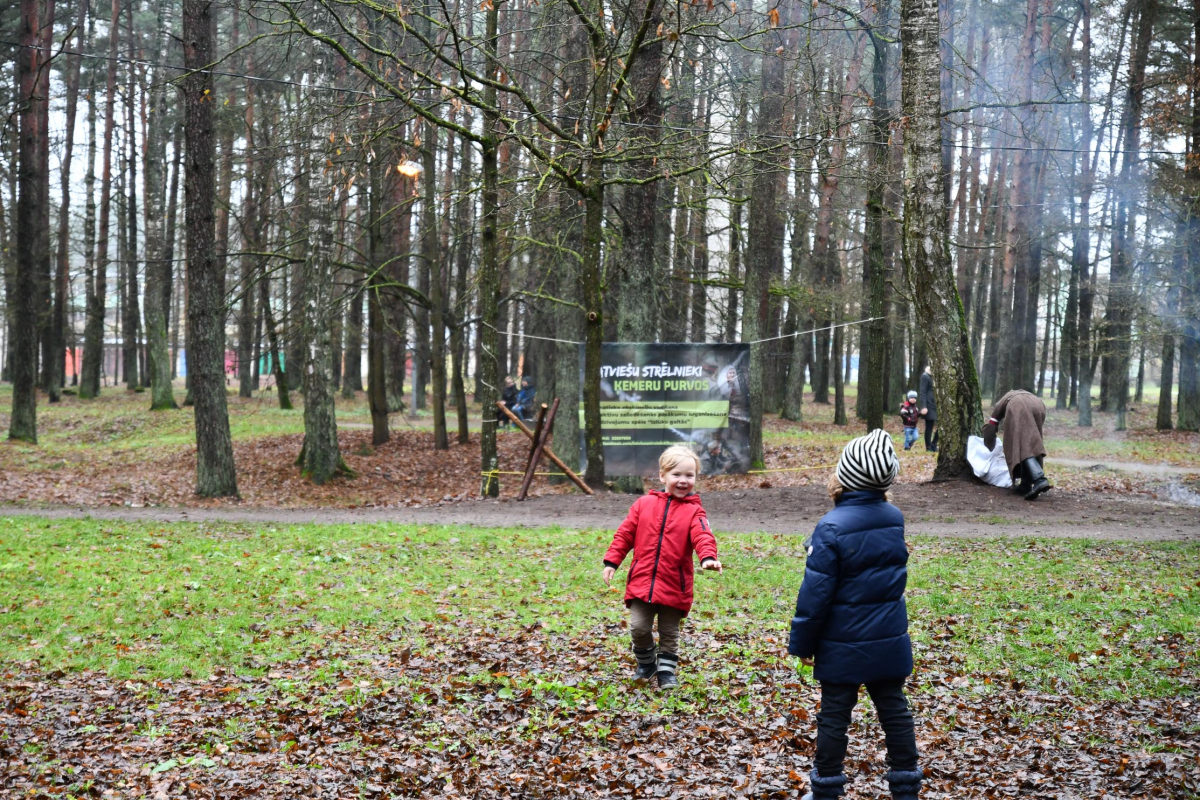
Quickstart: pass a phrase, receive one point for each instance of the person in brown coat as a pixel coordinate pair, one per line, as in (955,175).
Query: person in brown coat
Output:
(1022,415)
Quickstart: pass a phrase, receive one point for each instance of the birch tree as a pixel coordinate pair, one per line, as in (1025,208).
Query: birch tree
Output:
(926,248)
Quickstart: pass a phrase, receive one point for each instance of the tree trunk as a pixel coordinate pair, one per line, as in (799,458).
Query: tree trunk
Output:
(432,265)
(93,335)
(1189,340)
(590,293)
(62,277)
(32,218)
(1080,244)
(1068,363)
(872,378)
(1118,327)
(399,231)
(569,322)
(251,238)
(930,274)
(463,241)
(487,390)
(319,459)
(159,237)
(637,320)
(131,316)
(215,472)
(422,357)
(1166,387)
(698,228)
(766,228)
(825,257)
(170,298)
(294,300)
(44,284)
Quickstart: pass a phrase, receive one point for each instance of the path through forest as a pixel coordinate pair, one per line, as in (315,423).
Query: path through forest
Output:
(932,509)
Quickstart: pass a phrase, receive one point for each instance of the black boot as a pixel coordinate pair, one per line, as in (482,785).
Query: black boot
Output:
(829,788)
(1020,480)
(1037,479)
(647,664)
(668,663)
(904,785)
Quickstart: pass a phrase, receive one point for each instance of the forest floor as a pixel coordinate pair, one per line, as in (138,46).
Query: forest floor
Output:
(232,660)
(114,459)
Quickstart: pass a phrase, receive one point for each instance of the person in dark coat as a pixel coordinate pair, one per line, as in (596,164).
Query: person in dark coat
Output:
(851,622)
(525,399)
(509,396)
(929,410)
(1022,415)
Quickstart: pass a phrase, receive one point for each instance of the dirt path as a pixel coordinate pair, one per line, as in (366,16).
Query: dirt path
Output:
(1155,470)
(942,509)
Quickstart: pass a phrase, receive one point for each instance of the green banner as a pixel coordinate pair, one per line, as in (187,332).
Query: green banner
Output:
(658,395)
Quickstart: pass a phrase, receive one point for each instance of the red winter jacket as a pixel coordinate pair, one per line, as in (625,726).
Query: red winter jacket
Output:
(662,531)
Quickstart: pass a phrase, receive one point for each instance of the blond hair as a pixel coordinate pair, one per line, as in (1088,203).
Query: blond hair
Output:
(834,486)
(673,455)
(836,489)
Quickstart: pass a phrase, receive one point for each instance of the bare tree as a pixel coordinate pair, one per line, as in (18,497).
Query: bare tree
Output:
(215,472)
(926,246)
(32,223)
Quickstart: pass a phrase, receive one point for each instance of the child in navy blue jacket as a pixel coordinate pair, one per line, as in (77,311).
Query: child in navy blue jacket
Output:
(851,623)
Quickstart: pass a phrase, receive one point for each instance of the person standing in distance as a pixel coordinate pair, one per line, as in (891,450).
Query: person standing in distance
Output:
(929,410)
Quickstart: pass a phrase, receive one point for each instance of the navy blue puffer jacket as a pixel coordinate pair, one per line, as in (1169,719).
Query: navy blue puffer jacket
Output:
(850,613)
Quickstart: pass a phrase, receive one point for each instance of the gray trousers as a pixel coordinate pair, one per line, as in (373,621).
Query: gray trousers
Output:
(641,626)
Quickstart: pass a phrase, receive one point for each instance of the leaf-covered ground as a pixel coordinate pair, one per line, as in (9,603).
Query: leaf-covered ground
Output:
(148,459)
(384,661)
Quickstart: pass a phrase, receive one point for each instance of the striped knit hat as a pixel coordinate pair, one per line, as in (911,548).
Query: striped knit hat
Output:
(868,463)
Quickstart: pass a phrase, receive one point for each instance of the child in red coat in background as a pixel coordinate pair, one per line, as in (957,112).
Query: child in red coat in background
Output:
(663,529)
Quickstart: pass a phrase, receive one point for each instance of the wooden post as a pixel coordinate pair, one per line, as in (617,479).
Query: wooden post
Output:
(542,435)
(558,462)
(539,422)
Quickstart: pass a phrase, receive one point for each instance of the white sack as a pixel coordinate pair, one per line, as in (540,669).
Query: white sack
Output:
(989,466)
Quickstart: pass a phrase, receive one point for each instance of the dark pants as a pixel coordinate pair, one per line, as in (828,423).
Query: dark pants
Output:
(839,699)
(931,435)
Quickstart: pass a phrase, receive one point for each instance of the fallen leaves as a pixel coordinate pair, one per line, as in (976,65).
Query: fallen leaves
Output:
(445,721)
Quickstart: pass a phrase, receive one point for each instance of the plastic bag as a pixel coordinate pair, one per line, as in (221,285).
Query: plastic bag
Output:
(989,466)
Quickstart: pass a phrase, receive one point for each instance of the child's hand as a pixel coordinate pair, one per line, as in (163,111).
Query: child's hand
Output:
(608,574)
(808,662)
(713,563)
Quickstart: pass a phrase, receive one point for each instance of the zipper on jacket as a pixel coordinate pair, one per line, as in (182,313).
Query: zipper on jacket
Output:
(654,572)
(682,585)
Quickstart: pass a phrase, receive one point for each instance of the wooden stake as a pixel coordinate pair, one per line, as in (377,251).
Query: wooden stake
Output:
(541,436)
(558,462)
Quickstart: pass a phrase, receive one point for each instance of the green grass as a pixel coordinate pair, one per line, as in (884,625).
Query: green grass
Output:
(183,599)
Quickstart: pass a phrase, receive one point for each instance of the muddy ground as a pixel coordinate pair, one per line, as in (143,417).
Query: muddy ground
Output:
(960,508)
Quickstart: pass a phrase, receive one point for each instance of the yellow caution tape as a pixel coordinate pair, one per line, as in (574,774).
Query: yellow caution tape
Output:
(789,469)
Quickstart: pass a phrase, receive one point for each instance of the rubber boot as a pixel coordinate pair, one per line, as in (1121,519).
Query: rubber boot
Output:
(668,663)
(1037,479)
(904,785)
(647,664)
(828,788)
(1020,480)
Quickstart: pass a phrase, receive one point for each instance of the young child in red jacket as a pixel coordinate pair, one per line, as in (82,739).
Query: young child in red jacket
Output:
(663,529)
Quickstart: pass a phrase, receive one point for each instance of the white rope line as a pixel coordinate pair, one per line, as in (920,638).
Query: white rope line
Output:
(756,341)
(814,330)
(530,336)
